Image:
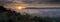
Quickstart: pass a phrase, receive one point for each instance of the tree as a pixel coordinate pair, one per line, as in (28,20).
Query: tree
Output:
(2,8)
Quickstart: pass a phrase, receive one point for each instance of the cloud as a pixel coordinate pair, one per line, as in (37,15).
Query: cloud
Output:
(13,3)
(3,2)
(41,1)
(54,1)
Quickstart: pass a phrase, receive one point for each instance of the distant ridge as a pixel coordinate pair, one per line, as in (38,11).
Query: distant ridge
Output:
(43,8)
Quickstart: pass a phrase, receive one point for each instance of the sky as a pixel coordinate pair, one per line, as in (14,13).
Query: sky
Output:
(32,3)
(13,4)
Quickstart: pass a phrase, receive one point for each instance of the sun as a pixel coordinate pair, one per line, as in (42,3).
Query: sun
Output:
(20,7)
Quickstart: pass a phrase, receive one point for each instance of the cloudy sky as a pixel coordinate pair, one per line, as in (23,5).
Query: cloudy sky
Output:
(32,3)
(13,4)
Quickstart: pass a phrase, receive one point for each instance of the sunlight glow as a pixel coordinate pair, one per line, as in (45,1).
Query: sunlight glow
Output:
(20,7)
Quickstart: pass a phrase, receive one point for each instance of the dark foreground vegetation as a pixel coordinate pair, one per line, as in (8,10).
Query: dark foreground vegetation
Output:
(12,16)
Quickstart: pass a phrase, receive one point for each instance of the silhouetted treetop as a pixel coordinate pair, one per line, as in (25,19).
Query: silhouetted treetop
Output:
(2,8)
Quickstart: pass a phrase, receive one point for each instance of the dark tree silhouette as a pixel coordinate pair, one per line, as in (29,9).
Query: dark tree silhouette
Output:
(2,8)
